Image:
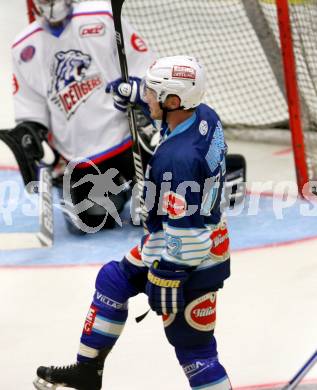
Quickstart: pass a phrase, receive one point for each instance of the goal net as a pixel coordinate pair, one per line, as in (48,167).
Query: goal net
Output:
(238,41)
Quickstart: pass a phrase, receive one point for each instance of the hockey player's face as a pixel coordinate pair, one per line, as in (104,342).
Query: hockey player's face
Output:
(150,98)
(54,11)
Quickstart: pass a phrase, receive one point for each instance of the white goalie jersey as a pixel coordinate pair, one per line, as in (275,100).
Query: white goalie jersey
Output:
(60,81)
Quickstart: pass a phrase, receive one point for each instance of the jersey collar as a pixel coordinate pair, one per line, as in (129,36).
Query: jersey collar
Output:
(183,126)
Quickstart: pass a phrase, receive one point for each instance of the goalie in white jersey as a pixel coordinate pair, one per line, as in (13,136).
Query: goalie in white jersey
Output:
(62,63)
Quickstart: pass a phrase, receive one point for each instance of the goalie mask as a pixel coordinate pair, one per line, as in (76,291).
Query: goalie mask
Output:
(54,11)
(182,76)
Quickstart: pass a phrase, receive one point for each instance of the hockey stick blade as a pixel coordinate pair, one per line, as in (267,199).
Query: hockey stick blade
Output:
(45,236)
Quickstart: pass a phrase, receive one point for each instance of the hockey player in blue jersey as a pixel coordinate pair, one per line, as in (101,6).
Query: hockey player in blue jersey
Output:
(184,259)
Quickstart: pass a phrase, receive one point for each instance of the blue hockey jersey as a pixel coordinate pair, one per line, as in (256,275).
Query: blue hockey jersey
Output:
(183,188)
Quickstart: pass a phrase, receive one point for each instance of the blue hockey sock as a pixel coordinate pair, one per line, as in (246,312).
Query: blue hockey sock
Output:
(202,368)
(107,314)
(102,328)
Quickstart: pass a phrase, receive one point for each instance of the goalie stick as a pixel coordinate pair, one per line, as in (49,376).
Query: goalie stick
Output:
(137,160)
(45,236)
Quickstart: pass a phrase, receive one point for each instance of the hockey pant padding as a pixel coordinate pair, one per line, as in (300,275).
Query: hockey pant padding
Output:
(184,329)
(108,312)
(202,368)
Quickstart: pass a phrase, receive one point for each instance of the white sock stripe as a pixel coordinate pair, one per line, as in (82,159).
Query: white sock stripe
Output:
(88,352)
(107,327)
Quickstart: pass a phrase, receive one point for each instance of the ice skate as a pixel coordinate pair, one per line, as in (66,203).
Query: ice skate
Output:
(80,376)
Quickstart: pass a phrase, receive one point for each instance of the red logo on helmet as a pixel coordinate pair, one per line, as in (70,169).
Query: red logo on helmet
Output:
(183,72)
(174,205)
(15,84)
(137,43)
(201,313)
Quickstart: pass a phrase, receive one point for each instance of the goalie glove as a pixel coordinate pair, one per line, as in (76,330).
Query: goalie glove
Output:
(164,289)
(28,142)
(125,93)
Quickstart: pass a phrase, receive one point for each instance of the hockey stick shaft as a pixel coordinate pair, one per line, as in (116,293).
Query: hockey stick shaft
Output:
(46,216)
(137,160)
(292,384)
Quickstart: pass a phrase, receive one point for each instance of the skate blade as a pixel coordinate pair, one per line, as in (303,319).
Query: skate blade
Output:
(41,384)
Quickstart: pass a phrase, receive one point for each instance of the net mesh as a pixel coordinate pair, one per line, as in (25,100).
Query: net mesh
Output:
(242,85)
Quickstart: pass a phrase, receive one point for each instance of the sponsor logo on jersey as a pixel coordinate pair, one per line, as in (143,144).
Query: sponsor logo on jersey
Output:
(138,43)
(69,66)
(174,245)
(220,241)
(90,320)
(174,205)
(92,30)
(201,312)
(183,72)
(75,94)
(70,84)
(15,84)
(168,319)
(27,53)
(203,127)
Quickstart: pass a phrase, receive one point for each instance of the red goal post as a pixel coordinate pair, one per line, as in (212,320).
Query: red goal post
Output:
(261,62)
(293,99)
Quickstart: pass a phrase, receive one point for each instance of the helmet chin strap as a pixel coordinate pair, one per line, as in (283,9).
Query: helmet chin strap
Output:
(167,110)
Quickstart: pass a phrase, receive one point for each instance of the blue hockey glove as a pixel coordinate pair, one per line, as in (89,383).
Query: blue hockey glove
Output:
(164,289)
(125,93)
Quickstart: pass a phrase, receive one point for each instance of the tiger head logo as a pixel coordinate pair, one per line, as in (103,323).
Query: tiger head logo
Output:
(69,66)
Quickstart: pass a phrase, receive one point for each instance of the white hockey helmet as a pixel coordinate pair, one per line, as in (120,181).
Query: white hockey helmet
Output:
(182,76)
(54,11)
